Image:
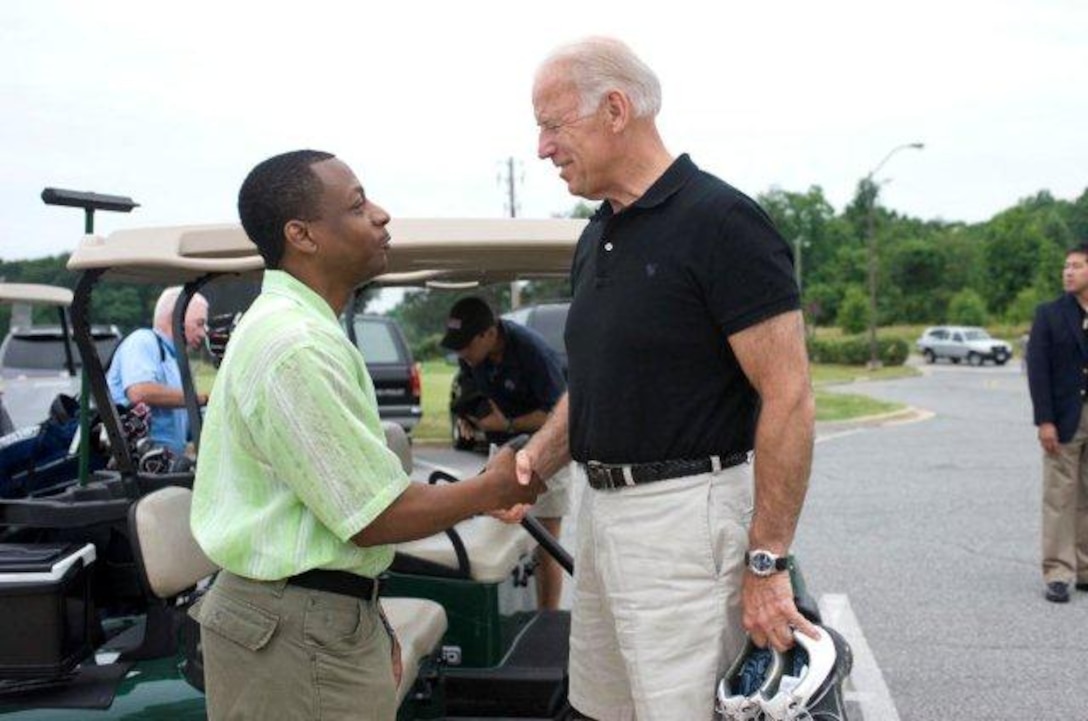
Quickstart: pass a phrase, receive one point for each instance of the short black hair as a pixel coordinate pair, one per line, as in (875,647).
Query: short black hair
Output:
(1081,248)
(278,190)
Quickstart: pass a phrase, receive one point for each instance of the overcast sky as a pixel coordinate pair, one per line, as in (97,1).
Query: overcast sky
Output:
(172,103)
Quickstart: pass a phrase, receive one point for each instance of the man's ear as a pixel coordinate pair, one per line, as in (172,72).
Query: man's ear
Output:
(296,234)
(618,107)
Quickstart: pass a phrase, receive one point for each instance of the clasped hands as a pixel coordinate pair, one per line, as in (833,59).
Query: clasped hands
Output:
(522,484)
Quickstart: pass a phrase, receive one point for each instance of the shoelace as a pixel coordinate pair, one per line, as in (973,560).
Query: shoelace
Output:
(786,707)
(739,708)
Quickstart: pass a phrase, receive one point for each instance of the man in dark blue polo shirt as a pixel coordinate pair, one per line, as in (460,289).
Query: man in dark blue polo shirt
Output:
(686,356)
(522,378)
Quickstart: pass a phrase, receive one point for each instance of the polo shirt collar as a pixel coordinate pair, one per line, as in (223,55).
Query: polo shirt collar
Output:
(166,343)
(282,283)
(670,182)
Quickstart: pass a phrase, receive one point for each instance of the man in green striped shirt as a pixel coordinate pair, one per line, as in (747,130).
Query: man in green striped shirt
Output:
(296,496)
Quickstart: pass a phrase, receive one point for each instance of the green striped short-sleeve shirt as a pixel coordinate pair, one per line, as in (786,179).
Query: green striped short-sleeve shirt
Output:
(293,460)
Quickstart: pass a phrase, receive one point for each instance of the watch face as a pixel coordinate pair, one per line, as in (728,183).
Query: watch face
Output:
(762,563)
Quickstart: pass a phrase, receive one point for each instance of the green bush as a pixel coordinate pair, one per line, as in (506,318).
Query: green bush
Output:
(853,314)
(1022,308)
(428,348)
(854,350)
(967,308)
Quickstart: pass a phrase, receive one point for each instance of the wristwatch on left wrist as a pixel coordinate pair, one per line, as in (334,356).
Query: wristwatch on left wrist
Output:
(510,425)
(763,563)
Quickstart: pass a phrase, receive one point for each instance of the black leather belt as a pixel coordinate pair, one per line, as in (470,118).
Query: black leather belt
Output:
(341,582)
(606,477)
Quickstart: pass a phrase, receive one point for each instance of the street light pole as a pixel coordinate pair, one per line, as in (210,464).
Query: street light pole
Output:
(870,229)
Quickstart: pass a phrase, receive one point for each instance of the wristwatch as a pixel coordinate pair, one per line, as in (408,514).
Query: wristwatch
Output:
(510,425)
(764,563)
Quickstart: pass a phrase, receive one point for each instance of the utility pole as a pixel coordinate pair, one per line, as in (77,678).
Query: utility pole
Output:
(512,207)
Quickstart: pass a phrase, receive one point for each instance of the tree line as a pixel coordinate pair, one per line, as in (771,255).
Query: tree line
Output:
(929,271)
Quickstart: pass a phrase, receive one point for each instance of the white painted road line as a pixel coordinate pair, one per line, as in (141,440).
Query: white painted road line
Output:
(867,688)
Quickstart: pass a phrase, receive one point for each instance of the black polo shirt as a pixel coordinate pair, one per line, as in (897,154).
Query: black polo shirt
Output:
(528,378)
(657,289)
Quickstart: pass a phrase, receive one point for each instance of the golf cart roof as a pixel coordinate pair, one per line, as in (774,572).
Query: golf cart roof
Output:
(35,293)
(443,252)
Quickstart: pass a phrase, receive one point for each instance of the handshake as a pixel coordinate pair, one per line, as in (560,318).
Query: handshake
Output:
(516,483)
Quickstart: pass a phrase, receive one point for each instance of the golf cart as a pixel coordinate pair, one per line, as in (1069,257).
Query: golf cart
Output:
(95,581)
(39,361)
(40,382)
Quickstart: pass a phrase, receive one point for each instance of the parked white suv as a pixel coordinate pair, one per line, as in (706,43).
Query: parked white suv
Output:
(957,343)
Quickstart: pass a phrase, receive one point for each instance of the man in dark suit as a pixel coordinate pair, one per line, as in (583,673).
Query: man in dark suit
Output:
(1058,378)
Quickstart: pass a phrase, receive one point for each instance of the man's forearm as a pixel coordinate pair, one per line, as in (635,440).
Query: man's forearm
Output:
(783,461)
(155,395)
(550,446)
(529,422)
(423,510)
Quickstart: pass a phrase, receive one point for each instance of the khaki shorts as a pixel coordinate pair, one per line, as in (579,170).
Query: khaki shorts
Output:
(275,651)
(555,502)
(656,615)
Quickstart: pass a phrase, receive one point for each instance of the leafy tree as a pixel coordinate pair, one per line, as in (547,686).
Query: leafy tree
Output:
(820,303)
(1078,218)
(854,311)
(805,221)
(1022,308)
(967,308)
(1024,246)
(128,306)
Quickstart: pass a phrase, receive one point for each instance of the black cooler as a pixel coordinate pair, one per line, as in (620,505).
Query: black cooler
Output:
(46,608)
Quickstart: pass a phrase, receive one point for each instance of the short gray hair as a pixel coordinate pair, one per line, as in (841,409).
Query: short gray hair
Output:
(599,65)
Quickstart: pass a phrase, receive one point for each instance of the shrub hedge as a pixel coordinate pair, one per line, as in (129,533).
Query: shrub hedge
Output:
(854,350)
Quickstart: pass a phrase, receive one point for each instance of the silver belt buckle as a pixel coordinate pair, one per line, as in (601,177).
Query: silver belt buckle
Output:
(600,474)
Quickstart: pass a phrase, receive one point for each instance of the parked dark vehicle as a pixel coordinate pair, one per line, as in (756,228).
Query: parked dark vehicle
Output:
(547,319)
(396,375)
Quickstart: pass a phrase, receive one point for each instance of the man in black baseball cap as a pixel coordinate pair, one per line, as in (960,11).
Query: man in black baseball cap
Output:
(468,318)
(521,378)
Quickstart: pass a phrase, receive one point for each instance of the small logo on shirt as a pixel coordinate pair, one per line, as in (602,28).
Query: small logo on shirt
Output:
(509,384)
(651,270)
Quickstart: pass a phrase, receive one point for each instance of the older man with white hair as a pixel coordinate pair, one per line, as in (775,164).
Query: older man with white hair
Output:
(145,369)
(682,285)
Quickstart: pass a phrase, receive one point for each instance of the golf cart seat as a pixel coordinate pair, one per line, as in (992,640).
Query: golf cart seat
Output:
(491,551)
(397,440)
(168,556)
(420,625)
(482,548)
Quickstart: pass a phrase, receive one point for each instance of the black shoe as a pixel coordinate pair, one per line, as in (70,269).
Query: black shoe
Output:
(1057,592)
(1082,586)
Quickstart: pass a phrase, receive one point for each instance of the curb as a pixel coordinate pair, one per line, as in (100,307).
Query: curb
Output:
(910,414)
